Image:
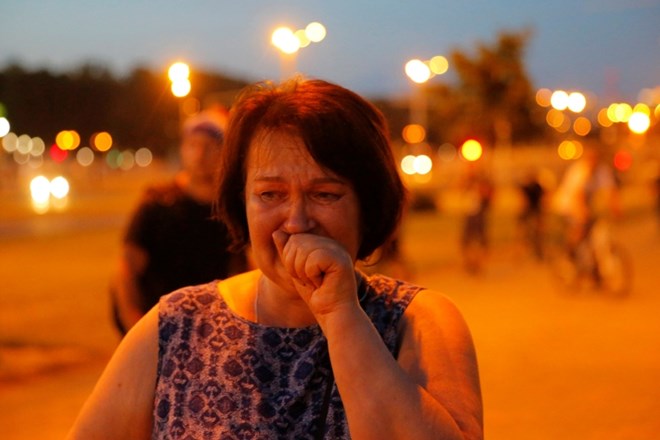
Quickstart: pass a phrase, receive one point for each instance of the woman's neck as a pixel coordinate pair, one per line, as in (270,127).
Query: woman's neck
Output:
(274,306)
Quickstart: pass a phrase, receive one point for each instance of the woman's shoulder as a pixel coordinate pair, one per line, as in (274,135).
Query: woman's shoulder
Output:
(233,293)
(390,290)
(419,304)
(190,298)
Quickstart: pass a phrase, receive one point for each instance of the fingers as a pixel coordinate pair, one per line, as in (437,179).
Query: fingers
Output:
(305,256)
(280,238)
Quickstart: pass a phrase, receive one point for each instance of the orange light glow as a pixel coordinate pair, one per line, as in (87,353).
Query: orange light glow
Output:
(413,133)
(622,160)
(570,150)
(555,118)
(101,141)
(471,150)
(543,97)
(603,119)
(582,126)
(67,140)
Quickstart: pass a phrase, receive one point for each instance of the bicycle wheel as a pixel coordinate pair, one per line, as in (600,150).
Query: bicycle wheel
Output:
(615,272)
(565,272)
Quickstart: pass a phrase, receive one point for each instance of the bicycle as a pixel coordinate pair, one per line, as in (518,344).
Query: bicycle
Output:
(597,262)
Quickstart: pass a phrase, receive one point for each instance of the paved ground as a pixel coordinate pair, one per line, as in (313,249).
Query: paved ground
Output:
(553,366)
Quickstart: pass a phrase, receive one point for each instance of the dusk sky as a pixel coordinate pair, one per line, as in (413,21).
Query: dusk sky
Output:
(607,47)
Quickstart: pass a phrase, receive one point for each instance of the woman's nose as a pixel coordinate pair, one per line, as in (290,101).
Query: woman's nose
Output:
(298,218)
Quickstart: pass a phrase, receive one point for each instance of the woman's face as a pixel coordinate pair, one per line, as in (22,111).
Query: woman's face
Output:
(286,190)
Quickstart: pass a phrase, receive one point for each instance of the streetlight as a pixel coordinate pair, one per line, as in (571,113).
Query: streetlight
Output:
(419,72)
(288,42)
(179,75)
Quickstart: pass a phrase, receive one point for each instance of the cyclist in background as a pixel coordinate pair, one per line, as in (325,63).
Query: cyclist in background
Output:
(587,192)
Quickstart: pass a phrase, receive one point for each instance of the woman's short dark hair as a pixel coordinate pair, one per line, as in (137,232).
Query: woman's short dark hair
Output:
(342,132)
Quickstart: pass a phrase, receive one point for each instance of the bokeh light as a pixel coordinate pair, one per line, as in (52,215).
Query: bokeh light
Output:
(112,159)
(59,187)
(48,193)
(438,64)
(555,118)
(622,160)
(178,71)
(642,108)
(67,140)
(24,144)
(57,154)
(126,160)
(418,71)
(471,150)
(303,39)
(285,40)
(315,32)
(413,133)
(408,164)
(423,164)
(4,126)
(639,122)
(40,189)
(619,112)
(85,156)
(102,141)
(543,97)
(143,157)
(559,100)
(582,126)
(38,146)
(603,118)
(416,165)
(576,102)
(9,142)
(570,150)
(181,88)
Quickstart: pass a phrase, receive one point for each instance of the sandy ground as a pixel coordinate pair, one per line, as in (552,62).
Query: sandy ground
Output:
(553,365)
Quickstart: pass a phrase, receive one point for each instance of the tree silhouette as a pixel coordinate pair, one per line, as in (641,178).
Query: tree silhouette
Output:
(495,97)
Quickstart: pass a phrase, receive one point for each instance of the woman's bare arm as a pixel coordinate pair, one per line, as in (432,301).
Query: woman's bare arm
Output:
(430,392)
(121,404)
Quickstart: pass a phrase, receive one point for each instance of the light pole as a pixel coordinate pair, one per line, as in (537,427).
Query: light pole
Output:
(420,72)
(288,42)
(179,75)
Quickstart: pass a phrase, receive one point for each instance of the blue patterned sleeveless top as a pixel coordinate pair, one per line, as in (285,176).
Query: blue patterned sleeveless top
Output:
(221,376)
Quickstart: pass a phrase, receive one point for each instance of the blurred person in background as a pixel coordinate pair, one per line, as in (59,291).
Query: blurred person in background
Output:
(306,346)
(172,240)
(587,192)
(477,196)
(530,219)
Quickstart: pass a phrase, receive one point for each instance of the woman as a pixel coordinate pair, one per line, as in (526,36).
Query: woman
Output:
(305,346)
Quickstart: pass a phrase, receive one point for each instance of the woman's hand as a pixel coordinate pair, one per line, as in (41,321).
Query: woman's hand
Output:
(321,269)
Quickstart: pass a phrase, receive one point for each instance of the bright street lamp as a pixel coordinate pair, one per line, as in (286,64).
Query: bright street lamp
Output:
(179,74)
(419,72)
(288,42)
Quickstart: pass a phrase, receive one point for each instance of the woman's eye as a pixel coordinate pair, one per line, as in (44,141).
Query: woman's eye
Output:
(270,196)
(327,196)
